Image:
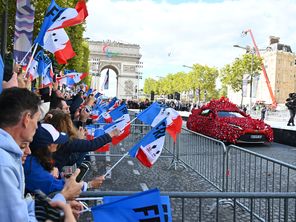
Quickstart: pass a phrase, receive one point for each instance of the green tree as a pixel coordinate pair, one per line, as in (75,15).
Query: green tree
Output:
(232,74)
(150,85)
(203,80)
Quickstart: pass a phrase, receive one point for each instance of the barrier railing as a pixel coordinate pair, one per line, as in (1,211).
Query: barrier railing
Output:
(207,206)
(248,171)
(229,169)
(203,154)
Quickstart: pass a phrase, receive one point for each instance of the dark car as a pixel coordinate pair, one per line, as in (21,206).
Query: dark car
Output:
(224,121)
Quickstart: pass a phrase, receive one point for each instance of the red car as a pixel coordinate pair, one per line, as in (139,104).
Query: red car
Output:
(224,121)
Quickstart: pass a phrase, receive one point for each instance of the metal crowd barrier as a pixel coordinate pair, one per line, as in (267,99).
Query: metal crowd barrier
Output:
(248,171)
(206,206)
(203,154)
(229,169)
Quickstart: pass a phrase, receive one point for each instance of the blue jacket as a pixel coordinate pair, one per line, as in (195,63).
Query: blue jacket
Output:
(13,206)
(62,155)
(39,178)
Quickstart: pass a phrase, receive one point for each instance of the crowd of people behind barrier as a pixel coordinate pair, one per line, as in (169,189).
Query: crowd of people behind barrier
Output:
(44,131)
(175,104)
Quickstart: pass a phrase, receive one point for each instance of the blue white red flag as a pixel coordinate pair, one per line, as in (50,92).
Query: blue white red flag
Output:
(144,206)
(71,77)
(99,132)
(155,113)
(32,72)
(23,34)
(41,66)
(118,112)
(71,16)
(106,117)
(149,148)
(47,76)
(114,103)
(57,17)
(58,43)
(123,124)
(105,84)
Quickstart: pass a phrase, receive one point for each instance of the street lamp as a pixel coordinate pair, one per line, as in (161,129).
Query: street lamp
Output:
(252,52)
(190,67)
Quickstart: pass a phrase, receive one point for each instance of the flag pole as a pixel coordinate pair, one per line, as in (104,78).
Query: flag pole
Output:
(133,120)
(21,63)
(32,57)
(109,171)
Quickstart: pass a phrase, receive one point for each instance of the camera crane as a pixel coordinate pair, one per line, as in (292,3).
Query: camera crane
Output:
(244,33)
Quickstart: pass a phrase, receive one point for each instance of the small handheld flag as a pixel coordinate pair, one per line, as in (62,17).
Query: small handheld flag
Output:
(144,206)
(148,149)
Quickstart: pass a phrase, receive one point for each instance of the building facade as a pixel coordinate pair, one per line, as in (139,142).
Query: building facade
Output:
(280,64)
(123,59)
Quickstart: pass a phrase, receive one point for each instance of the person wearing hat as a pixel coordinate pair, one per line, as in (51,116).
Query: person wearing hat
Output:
(39,165)
(40,172)
(77,146)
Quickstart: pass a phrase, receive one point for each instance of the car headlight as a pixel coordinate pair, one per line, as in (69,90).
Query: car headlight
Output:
(235,126)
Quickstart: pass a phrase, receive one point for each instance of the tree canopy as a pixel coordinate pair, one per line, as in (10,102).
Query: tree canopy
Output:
(75,33)
(200,77)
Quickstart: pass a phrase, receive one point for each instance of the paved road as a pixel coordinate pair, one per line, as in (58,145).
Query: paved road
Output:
(277,151)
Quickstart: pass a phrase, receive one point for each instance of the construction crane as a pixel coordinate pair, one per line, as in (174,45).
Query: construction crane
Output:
(274,104)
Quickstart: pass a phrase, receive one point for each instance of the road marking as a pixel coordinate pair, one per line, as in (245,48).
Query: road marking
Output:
(136,172)
(131,163)
(144,186)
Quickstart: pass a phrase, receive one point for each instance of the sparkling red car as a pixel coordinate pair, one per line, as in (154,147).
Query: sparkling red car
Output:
(224,121)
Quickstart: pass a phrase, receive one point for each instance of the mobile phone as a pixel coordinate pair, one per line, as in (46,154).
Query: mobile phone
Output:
(44,211)
(84,168)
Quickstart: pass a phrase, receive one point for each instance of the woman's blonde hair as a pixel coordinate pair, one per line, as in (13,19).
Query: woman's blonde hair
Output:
(62,122)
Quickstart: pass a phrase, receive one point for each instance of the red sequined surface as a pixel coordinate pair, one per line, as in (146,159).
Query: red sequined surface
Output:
(228,129)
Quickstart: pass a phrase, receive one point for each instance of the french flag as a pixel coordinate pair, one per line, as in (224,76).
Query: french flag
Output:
(47,75)
(73,76)
(114,103)
(123,124)
(32,72)
(99,132)
(71,16)
(57,17)
(58,43)
(79,76)
(117,113)
(149,148)
(155,113)
(106,116)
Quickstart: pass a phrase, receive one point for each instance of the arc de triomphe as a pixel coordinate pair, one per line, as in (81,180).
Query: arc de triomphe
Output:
(123,59)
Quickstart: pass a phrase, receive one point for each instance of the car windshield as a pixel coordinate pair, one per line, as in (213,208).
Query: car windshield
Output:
(229,114)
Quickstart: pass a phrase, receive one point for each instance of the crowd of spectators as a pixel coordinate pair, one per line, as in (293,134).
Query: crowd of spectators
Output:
(40,133)
(175,104)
